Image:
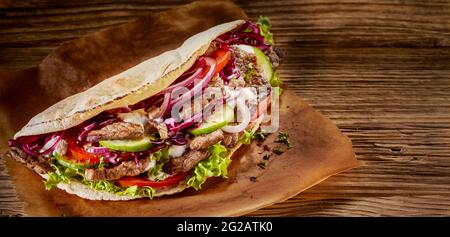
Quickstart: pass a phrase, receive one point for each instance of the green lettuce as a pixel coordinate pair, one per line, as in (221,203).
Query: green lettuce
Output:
(264,26)
(67,174)
(161,157)
(275,80)
(61,174)
(247,137)
(215,166)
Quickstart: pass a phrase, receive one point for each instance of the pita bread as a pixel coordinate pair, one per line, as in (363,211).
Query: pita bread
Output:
(126,88)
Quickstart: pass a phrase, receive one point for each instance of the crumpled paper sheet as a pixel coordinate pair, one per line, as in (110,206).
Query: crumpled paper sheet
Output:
(319,148)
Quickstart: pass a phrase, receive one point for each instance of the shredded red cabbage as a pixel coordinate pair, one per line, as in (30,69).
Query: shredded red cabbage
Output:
(248,33)
(189,122)
(178,139)
(33,145)
(230,71)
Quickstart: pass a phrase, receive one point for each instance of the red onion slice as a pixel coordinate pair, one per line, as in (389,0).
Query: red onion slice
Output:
(30,148)
(199,87)
(82,137)
(165,105)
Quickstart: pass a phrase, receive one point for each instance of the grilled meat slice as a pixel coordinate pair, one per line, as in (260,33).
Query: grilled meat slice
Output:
(187,161)
(117,131)
(126,168)
(38,164)
(230,139)
(163,131)
(206,140)
(161,128)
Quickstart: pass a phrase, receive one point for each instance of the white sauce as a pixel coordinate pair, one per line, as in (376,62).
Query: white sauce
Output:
(176,151)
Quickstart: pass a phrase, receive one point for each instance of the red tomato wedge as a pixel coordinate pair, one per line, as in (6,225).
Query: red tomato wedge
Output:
(77,154)
(129,181)
(222,56)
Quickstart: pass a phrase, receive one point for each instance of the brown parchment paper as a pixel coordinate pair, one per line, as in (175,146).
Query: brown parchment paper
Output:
(319,148)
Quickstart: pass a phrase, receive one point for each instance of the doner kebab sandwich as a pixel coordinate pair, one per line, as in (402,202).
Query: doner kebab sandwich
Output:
(164,125)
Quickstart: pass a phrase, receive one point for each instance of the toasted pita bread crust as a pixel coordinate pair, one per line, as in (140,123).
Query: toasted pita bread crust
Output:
(126,88)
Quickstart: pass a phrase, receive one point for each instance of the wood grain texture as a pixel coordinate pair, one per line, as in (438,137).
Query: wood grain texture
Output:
(379,69)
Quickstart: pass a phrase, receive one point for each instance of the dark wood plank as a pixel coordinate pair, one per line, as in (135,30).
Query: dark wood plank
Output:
(379,69)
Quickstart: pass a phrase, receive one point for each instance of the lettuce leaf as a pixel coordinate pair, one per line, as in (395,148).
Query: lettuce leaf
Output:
(103,185)
(215,166)
(247,137)
(264,26)
(61,174)
(275,80)
(146,192)
(67,174)
(161,157)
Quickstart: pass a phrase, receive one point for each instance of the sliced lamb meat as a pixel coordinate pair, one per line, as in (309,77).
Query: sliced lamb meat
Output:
(160,127)
(206,140)
(230,139)
(117,131)
(163,131)
(187,161)
(151,127)
(126,168)
(38,164)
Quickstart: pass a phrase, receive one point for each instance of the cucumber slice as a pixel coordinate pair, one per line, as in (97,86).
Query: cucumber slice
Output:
(128,145)
(217,120)
(69,164)
(264,64)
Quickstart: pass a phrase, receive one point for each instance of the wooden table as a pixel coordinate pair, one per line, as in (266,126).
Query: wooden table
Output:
(379,69)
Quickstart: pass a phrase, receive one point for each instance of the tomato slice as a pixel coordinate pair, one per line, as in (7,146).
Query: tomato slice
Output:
(79,155)
(129,181)
(222,56)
